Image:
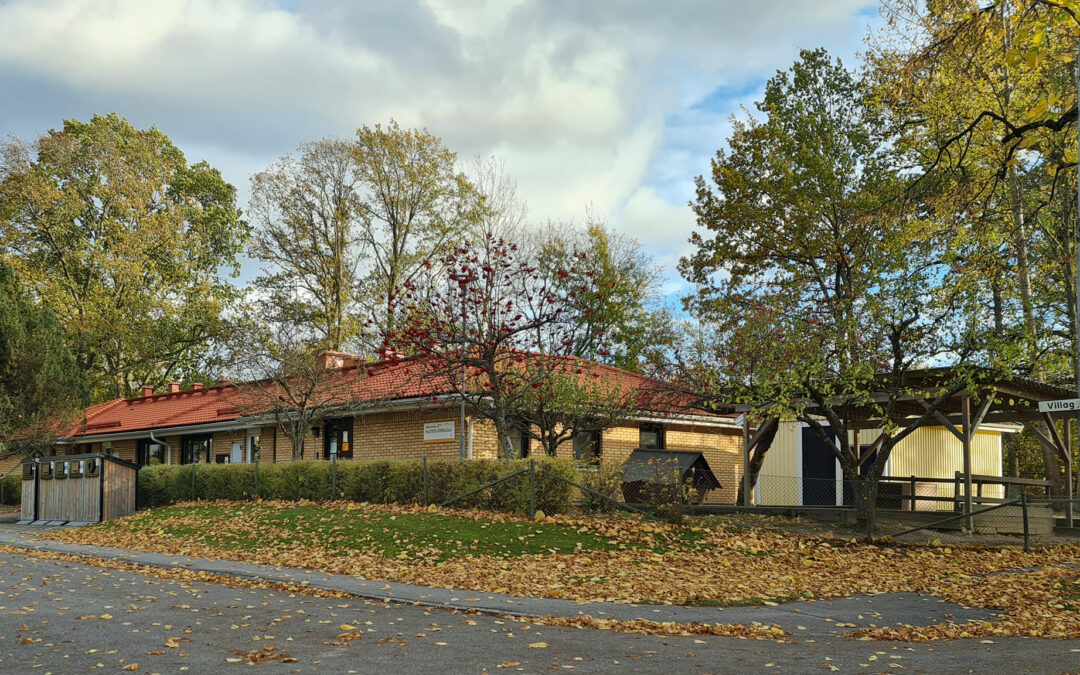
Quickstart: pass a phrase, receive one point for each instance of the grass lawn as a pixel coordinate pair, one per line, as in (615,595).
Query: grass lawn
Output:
(608,558)
(391,534)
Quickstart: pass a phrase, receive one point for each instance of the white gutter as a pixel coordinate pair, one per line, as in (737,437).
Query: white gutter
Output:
(415,402)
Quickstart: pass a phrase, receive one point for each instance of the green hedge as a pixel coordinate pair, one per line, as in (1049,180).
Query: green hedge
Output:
(11,488)
(378,481)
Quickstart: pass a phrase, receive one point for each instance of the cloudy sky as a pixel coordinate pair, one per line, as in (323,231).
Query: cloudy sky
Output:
(606,106)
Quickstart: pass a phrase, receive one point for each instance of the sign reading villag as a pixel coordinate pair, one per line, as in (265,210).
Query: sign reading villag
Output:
(1063,405)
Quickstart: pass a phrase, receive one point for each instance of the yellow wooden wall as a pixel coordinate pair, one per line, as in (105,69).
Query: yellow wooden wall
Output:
(931,452)
(778,480)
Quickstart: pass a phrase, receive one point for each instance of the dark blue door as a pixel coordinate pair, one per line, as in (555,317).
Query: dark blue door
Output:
(818,470)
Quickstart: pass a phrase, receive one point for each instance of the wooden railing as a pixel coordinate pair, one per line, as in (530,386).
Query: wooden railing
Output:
(910,497)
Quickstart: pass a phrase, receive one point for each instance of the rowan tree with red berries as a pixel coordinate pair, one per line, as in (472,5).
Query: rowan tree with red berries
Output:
(486,323)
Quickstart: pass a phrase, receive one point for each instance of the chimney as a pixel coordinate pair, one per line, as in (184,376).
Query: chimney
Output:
(332,360)
(389,354)
(146,390)
(174,387)
(196,386)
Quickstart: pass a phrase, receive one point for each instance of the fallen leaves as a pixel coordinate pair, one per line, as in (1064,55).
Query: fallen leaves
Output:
(753,630)
(638,562)
(262,655)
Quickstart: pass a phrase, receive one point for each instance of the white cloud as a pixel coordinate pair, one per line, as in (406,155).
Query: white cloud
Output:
(588,102)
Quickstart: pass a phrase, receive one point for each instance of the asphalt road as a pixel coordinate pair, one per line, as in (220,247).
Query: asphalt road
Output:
(61,617)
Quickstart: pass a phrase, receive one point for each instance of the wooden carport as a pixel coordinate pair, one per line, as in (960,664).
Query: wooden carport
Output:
(986,400)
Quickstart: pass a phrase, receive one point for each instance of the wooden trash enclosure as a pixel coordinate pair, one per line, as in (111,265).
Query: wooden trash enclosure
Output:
(77,489)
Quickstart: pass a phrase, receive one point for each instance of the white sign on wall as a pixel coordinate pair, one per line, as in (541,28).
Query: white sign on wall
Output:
(439,431)
(1063,405)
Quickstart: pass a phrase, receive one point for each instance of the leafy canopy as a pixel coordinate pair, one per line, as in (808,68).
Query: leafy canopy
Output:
(119,236)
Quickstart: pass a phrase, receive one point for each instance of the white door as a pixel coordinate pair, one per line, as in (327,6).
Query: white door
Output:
(253,444)
(237,453)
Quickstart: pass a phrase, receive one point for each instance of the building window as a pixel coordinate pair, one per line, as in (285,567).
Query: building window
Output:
(651,437)
(519,442)
(337,438)
(150,453)
(195,449)
(253,447)
(587,446)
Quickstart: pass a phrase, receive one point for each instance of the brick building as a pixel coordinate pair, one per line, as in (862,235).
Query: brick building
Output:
(390,411)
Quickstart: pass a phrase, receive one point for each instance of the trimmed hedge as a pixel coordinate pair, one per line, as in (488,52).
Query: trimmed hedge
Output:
(376,481)
(11,490)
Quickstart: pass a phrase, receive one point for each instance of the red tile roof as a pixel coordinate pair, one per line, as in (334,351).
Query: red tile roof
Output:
(374,382)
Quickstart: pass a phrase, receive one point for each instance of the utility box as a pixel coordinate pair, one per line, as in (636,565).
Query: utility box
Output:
(100,488)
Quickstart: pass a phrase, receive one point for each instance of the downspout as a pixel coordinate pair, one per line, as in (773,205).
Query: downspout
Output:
(471,420)
(160,442)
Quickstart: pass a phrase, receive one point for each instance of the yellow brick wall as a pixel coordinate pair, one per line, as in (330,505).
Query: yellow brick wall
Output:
(10,463)
(400,435)
(721,447)
(125,450)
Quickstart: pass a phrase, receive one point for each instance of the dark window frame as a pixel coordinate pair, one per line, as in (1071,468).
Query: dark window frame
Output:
(597,441)
(142,451)
(186,448)
(524,441)
(333,432)
(652,427)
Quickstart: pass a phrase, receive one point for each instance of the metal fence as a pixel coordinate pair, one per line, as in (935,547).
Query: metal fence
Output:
(1008,509)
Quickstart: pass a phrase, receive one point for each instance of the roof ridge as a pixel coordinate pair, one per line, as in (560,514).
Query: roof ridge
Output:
(167,394)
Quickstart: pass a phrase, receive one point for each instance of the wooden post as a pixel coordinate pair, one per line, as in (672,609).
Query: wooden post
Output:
(913,490)
(858,467)
(965,407)
(1068,474)
(746,460)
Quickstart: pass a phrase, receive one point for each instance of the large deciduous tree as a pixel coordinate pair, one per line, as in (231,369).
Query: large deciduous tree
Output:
(124,240)
(624,322)
(820,275)
(308,231)
(41,386)
(413,203)
(987,96)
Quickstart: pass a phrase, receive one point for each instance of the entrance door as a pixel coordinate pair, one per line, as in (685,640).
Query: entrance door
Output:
(253,445)
(337,438)
(818,470)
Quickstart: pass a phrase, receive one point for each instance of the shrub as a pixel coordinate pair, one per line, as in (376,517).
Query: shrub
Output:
(11,488)
(376,481)
(605,479)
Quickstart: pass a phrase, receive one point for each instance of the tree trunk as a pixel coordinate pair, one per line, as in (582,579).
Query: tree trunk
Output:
(1051,464)
(502,432)
(865,489)
(1023,275)
(297,432)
